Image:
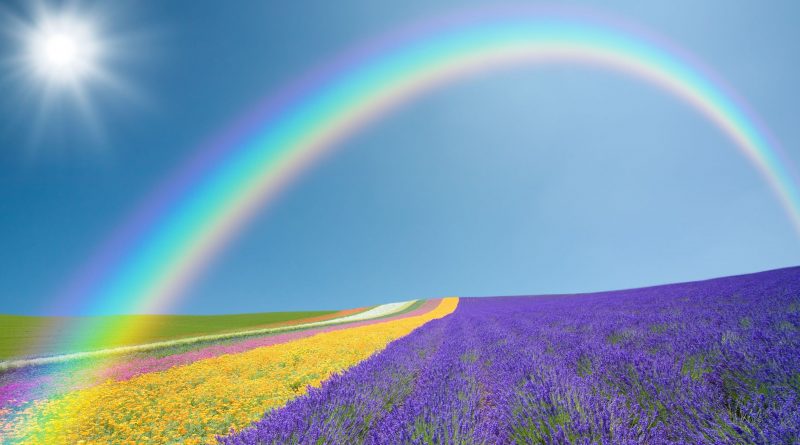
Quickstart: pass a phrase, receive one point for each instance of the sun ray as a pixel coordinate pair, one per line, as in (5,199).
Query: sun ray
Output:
(65,59)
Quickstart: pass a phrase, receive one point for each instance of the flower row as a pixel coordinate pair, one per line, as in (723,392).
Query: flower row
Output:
(714,362)
(193,403)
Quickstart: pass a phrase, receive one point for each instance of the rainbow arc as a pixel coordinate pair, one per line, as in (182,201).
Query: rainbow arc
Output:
(148,264)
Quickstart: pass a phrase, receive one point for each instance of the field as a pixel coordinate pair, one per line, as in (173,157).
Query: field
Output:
(205,387)
(18,332)
(711,362)
(715,362)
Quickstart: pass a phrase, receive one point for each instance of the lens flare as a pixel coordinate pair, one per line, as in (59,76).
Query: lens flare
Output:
(64,49)
(65,58)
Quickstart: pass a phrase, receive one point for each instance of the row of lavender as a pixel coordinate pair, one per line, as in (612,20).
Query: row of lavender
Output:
(707,362)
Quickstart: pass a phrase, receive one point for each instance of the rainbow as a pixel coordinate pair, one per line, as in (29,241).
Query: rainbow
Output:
(161,249)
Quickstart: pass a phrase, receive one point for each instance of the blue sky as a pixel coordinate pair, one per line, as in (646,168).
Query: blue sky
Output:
(546,180)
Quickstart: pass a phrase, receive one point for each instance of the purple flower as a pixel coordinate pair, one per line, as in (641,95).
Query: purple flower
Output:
(714,362)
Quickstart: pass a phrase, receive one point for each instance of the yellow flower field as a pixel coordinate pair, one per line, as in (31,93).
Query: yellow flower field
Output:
(193,403)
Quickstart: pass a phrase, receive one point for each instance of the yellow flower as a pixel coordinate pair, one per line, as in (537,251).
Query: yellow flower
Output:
(192,404)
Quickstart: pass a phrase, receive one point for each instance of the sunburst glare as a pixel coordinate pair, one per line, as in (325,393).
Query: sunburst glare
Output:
(64,49)
(65,61)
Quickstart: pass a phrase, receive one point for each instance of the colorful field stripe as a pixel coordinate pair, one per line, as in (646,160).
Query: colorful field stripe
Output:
(24,389)
(376,312)
(209,396)
(132,368)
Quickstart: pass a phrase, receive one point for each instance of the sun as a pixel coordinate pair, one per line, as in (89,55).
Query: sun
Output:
(64,49)
(66,60)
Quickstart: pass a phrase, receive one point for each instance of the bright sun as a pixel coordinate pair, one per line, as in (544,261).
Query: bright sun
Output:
(66,54)
(63,48)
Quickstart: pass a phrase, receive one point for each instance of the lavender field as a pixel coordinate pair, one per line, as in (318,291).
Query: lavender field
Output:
(714,362)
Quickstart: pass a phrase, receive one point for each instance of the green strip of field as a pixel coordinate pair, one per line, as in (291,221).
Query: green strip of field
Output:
(28,336)
(414,306)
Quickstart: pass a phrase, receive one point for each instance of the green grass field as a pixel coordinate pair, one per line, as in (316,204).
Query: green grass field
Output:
(26,336)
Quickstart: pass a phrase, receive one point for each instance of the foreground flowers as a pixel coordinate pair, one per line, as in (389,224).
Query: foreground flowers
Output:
(191,404)
(715,362)
(39,378)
